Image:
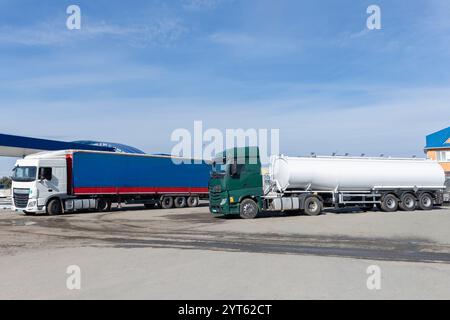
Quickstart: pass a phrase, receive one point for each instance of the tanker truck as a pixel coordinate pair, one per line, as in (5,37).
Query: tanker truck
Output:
(238,185)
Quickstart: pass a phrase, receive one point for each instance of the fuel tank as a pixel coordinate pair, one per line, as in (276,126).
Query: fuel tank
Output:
(354,174)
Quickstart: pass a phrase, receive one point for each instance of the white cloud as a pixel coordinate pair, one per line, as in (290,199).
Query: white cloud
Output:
(202,4)
(92,78)
(394,125)
(161,32)
(245,45)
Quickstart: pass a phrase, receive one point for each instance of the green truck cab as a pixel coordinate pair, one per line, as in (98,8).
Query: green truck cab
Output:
(236,183)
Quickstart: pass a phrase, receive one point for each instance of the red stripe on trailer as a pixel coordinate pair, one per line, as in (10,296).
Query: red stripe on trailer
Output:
(137,190)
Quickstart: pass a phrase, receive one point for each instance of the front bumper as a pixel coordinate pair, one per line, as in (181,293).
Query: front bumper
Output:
(223,207)
(32,207)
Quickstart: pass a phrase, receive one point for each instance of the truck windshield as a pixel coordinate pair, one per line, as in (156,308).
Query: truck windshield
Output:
(24,174)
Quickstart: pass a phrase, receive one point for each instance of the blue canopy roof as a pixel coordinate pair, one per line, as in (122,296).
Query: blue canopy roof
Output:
(117,147)
(439,140)
(17,146)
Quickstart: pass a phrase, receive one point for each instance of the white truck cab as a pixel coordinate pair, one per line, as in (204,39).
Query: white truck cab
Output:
(37,179)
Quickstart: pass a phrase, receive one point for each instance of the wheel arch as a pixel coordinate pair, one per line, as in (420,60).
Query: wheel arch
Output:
(53,198)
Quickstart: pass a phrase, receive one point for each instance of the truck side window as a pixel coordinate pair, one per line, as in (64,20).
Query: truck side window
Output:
(236,169)
(45,173)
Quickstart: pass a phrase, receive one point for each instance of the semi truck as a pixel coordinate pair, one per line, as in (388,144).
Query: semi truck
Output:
(308,185)
(71,180)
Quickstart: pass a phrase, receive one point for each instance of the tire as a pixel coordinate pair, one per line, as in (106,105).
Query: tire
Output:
(389,203)
(180,202)
(408,202)
(193,201)
(54,207)
(313,206)
(426,201)
(167,202)
(103,205)
(248,209)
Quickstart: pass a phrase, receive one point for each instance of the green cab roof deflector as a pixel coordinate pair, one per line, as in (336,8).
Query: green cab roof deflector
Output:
(244,152)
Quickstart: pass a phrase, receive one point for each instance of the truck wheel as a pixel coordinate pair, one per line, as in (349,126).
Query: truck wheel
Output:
(104,205)
(180,202)
(313,206)
(389,203)
(426,201)
(54,207)
(249,209)
(167,202)
(408,202)
(192,202)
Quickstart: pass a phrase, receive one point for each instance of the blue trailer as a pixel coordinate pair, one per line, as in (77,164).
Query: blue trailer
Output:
(65,181)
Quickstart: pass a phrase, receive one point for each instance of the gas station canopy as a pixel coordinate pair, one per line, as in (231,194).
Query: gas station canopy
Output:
(17,146)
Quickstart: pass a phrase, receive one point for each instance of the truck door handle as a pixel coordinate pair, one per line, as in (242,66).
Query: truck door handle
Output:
(50,190)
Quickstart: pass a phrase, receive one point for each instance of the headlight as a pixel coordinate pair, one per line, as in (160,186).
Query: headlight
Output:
(223,202)
(32,204)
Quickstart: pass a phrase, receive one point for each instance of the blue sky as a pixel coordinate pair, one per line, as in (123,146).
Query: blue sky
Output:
(137,70)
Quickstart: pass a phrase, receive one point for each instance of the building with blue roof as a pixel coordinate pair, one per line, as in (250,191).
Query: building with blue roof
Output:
(438,148)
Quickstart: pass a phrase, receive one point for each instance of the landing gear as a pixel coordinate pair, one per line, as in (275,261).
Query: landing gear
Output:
(149,206)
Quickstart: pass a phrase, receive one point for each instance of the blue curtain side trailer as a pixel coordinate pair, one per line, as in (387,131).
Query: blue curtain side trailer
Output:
(152,180)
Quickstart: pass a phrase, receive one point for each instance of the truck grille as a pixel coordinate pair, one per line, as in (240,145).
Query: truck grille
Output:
(21,197)
(215,197)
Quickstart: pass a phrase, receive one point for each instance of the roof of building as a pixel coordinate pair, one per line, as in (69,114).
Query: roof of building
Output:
(118,147)
(439,139)
(17,146)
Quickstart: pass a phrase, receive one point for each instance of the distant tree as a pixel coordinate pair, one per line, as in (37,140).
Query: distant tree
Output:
(6,182)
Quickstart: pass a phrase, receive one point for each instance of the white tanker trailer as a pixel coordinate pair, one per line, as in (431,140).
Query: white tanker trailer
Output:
(310,184)
(354,174)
